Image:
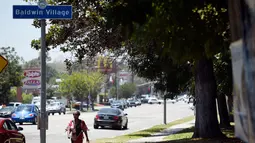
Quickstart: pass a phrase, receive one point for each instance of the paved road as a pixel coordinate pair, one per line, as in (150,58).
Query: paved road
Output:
(141,117)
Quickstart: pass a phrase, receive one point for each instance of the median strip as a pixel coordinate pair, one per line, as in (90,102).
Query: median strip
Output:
(145,133)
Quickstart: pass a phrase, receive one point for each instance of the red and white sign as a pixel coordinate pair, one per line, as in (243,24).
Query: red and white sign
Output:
(32,78)
(32,74)
(32,82)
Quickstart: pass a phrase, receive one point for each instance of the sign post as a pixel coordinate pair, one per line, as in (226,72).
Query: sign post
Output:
(42,11)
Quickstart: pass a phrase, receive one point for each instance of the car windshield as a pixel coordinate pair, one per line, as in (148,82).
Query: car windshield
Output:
(6,109)
(116,102)
(10,104)
(54,104)
(108,111)
(24,108)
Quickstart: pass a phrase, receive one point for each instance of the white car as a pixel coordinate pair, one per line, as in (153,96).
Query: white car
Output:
(138,102)
(154,101)
(14,104)
(171,101)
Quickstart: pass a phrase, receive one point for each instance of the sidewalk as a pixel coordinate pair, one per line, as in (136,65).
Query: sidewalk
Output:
(161,135)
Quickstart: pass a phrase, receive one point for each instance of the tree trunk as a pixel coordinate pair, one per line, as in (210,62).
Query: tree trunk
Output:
(81,105)
(223,111)
(92,105)
(87,104)
(206,125)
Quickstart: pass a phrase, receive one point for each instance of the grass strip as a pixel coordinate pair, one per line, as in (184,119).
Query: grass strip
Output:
(186,136)
(144,133)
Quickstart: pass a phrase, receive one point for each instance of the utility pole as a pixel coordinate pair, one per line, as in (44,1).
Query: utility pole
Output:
(164,109)
(43,115)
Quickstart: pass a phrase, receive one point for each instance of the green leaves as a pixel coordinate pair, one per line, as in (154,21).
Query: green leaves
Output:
(127,90)
(12,75)
(81,84)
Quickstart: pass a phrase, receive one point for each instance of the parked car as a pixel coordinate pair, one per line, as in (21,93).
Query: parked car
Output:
(131,103)
(111,117)
(6,112)
(14,104)
(125,103)
(25,113)
(10,133)
(154,101)
(138,102)
(56,107)
(118,104)
(171,101)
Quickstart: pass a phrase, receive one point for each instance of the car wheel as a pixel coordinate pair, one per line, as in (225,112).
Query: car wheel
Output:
(21,123)
(119,127)
(24,141)
(64,112)
(126,126)
(95,126)
(35,121)
(53,113)
(59,113)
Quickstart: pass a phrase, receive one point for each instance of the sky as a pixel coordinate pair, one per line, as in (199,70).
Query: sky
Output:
(19,33)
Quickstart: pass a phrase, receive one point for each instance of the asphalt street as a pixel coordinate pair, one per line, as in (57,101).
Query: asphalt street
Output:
(141,117)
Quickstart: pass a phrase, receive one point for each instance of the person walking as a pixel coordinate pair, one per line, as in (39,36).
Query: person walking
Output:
(76,128)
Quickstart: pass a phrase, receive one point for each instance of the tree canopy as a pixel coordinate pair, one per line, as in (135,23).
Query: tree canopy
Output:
(12,75)
(127,90)
(81,84)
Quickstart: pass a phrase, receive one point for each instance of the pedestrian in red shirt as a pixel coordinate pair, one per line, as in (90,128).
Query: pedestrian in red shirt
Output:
(76,128)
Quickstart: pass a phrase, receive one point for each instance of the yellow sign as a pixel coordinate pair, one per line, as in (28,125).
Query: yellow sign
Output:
(106,63)
(3,63)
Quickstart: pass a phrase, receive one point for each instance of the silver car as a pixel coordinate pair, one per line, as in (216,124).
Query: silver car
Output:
(56,107)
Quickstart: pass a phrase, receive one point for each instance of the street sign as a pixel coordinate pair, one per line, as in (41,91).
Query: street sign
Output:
(42,11)
(3,63)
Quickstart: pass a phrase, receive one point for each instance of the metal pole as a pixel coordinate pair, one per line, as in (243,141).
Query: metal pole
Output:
(43,114)
(164,110)
(117,85)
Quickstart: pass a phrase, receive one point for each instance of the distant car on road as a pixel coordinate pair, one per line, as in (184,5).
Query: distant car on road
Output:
(138,102)
(153,100)
(171,101)
(6,112)
(131,103)
(14,104)
(26,113)
(56,107)
(9,132)
(118,104)
(111,117)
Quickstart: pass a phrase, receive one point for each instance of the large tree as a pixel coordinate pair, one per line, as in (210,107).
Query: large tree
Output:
(184,31)
(12,75)
(181,30)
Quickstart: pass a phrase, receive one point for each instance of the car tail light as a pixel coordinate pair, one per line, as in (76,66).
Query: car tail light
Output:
(115,117)
(97,117)
(31,115)
(13,115)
